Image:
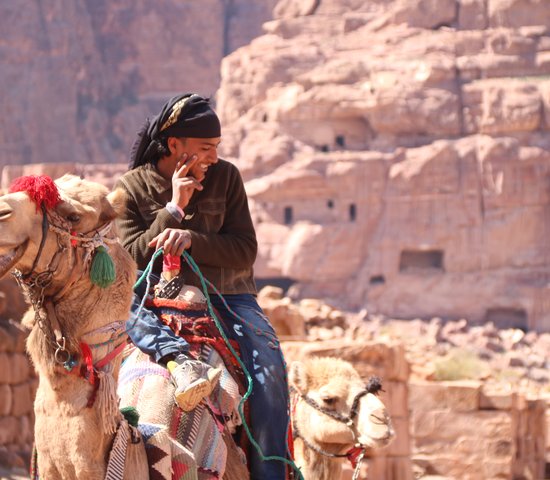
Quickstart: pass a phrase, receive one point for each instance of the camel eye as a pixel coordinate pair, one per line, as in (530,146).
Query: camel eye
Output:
(73,218)
(329,401)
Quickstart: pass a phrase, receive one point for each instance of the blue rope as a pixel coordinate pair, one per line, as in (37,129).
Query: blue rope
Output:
(204,282)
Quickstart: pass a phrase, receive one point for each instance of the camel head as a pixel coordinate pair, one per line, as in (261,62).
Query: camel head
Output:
(335,410)
(75,207)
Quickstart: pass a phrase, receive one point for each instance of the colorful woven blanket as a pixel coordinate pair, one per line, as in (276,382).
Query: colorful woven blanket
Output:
(147,386)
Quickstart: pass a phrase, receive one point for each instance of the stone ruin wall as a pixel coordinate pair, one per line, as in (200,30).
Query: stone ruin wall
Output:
(456,430)
(18,381)
(485,435)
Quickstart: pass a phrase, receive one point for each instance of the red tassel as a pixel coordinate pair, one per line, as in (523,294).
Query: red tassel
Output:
(88,361)
(74,243)
(171,262)
(40,188)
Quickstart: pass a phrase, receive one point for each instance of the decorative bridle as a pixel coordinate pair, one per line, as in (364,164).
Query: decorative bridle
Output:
(356,454)
(34,284)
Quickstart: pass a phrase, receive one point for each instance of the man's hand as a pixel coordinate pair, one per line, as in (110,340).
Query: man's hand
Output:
(184,186)
(173,240)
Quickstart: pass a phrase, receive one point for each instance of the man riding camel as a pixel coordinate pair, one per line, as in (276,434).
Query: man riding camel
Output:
(181,196)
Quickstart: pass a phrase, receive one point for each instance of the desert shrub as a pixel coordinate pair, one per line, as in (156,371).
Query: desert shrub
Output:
(459,364)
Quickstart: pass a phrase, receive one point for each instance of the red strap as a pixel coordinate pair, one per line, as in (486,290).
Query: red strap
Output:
(290,441)
(110,356)
(87,360)
(353,455)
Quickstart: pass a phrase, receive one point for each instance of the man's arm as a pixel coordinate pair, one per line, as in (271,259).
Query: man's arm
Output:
(134,233)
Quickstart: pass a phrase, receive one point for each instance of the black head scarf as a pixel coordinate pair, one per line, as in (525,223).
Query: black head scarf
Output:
(187,115)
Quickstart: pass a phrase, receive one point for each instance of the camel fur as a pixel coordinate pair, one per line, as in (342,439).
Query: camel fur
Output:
(72,440)
(333,384)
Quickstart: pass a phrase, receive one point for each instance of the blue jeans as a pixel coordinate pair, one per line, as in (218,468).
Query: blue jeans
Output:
(260,353)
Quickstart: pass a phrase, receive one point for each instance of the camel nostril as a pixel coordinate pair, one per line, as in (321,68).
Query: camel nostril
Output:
(5,213)
(380,417)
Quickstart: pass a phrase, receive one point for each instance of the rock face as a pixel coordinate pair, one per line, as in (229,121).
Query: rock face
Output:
(397,154)
(79,76)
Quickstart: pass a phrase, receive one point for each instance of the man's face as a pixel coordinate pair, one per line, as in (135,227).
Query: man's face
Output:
(206,149)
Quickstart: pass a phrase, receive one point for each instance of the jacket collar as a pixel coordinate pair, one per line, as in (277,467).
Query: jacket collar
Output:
(155,179)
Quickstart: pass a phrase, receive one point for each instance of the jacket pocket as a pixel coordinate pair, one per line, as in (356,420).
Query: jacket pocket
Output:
(212,213)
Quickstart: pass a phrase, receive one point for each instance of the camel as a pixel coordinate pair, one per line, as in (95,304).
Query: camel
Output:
(335,416)
(48,237)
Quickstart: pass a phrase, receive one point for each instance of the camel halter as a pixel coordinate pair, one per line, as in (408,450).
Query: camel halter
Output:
(356,454)
(35,283)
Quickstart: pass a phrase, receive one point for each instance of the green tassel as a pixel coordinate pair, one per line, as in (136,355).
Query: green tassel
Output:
(131,415)
(102,271)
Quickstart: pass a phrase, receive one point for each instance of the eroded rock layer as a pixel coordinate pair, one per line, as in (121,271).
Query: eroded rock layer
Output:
(397,154)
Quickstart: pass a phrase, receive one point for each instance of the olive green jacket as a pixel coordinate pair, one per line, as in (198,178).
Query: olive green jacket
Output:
(223,240)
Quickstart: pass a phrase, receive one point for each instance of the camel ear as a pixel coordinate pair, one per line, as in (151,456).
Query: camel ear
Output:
(113,205)
(297,376)
(117,204)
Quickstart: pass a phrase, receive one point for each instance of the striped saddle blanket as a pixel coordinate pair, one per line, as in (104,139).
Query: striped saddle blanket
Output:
(203,432)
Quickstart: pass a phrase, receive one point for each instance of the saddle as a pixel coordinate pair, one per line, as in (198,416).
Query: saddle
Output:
(211,429)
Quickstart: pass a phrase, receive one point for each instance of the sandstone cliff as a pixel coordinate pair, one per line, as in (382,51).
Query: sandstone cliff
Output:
(398,154)
(79,76)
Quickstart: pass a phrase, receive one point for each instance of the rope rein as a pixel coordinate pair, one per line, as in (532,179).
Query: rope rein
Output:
(205,283)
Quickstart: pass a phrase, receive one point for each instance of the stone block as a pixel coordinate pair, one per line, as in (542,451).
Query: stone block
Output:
(378,468)
(497,400)
(401,367)
(12,337)
(496,469)
(5,368)
(22,399)
(399,468)
(461,396)
(429,14)
(25,430)
(20,368)
(368,358)
(450,466)
(517,13)
(396,398)
(476,427)
(472,14)
(401,445)
(6,340)
(6,400)
(8,430)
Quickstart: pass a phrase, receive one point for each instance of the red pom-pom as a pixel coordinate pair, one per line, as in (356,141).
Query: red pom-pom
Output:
(40,188)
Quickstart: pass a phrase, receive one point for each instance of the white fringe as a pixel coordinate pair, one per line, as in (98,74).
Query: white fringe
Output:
(107,401)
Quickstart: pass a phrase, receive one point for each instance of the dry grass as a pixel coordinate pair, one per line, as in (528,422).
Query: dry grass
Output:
(460,365)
